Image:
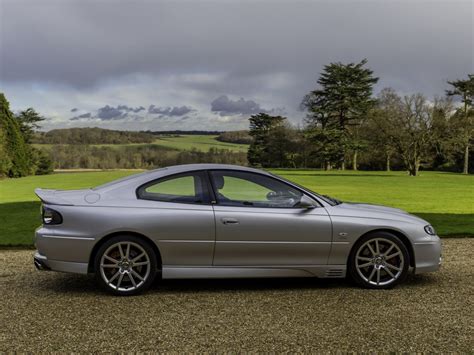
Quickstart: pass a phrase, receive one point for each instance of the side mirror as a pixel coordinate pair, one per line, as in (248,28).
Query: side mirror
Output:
(306,202)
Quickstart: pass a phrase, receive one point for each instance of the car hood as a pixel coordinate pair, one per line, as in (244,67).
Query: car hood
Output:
(365,210)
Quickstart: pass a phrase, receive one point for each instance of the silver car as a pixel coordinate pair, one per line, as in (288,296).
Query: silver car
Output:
(224,221)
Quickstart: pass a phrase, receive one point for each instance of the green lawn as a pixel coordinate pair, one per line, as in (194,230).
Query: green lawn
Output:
(182,142)
(446,200)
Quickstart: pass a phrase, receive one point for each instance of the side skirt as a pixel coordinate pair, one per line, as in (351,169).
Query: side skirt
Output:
(223,272)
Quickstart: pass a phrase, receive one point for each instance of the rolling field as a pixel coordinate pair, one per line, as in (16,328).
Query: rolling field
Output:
(444,199)
(182,142)
(199,142)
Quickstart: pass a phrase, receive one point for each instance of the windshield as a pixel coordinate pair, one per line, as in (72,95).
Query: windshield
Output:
(329,200)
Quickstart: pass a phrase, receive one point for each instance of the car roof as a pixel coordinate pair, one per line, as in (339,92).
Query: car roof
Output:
(192,167)
(138,179)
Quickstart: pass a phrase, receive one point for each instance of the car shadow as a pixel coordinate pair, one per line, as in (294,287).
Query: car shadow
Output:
(85,284)
(257,284)
(70,284)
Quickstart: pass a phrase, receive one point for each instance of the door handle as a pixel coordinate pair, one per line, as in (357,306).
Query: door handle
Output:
(229,221)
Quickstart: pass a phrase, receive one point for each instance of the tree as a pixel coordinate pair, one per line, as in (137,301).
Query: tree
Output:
(42,162)
(5,160)
(343,100)
(238,137)
(29,122)
(445,138)
(465,127)
(326,144)
(283,146)
(262,126)
(15,147)
(355,142)
(407,122)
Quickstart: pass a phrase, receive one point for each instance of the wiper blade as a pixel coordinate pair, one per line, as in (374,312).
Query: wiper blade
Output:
(332,199)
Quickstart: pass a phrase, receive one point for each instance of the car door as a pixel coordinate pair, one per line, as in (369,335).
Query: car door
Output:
(179,218)
(259,223)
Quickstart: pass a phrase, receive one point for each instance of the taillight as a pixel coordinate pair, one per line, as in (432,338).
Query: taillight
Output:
(51,216)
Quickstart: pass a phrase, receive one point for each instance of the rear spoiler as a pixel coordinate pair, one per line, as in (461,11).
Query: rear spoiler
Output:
(51,197)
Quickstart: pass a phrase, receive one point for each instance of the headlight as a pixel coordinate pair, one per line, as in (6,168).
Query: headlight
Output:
(430,230)
(51,216)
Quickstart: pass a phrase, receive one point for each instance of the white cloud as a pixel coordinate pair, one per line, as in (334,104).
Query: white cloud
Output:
(118,103)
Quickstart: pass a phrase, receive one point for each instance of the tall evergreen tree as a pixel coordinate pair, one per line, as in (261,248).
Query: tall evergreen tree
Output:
(465,90)
(342,101)
(262,126)
(29,121)
(16,149)
(5,160)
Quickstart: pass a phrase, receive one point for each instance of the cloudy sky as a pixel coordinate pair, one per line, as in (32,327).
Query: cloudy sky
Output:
(164,65)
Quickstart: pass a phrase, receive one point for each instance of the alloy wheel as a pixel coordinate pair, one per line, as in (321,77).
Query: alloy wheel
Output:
(125,266)
(379,261)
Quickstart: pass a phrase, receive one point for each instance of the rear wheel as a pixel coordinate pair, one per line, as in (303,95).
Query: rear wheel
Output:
(125,265)
(379,260)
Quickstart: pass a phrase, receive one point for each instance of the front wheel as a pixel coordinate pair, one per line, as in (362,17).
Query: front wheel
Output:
(379,260)
(125,265)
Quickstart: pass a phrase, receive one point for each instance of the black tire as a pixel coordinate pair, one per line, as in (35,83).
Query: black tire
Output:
(128,272)
(367,276)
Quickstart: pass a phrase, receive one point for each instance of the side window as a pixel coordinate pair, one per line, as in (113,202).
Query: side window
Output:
(235,188)
(188,188)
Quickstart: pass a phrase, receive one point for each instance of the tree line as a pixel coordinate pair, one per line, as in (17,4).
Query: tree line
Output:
(346,126)
(237,137)
(136,157)
(90,135)
(17,156)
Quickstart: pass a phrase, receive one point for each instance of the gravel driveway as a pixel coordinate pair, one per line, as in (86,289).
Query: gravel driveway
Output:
(46,311)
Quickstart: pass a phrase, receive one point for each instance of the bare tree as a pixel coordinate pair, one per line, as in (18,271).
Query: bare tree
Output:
(377,142)
(407,122)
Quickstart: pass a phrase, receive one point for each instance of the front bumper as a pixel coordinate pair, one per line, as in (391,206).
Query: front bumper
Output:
(427,255)
(44,264)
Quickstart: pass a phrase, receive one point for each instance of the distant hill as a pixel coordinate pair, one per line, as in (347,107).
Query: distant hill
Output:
(91,136)
(187,133)
(97,135)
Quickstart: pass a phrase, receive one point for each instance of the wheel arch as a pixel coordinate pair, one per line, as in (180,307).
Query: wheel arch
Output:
(91,266)
(400,235)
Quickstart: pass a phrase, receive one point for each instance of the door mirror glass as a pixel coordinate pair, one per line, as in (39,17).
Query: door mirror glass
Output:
(306,202)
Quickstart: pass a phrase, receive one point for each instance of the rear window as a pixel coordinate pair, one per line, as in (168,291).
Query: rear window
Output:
(126,178)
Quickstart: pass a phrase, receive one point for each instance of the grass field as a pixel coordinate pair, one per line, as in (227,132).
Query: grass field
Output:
(444,199)
(182,142)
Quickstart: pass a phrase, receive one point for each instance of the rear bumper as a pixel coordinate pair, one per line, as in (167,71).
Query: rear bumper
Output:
(427,255)
(44,264)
